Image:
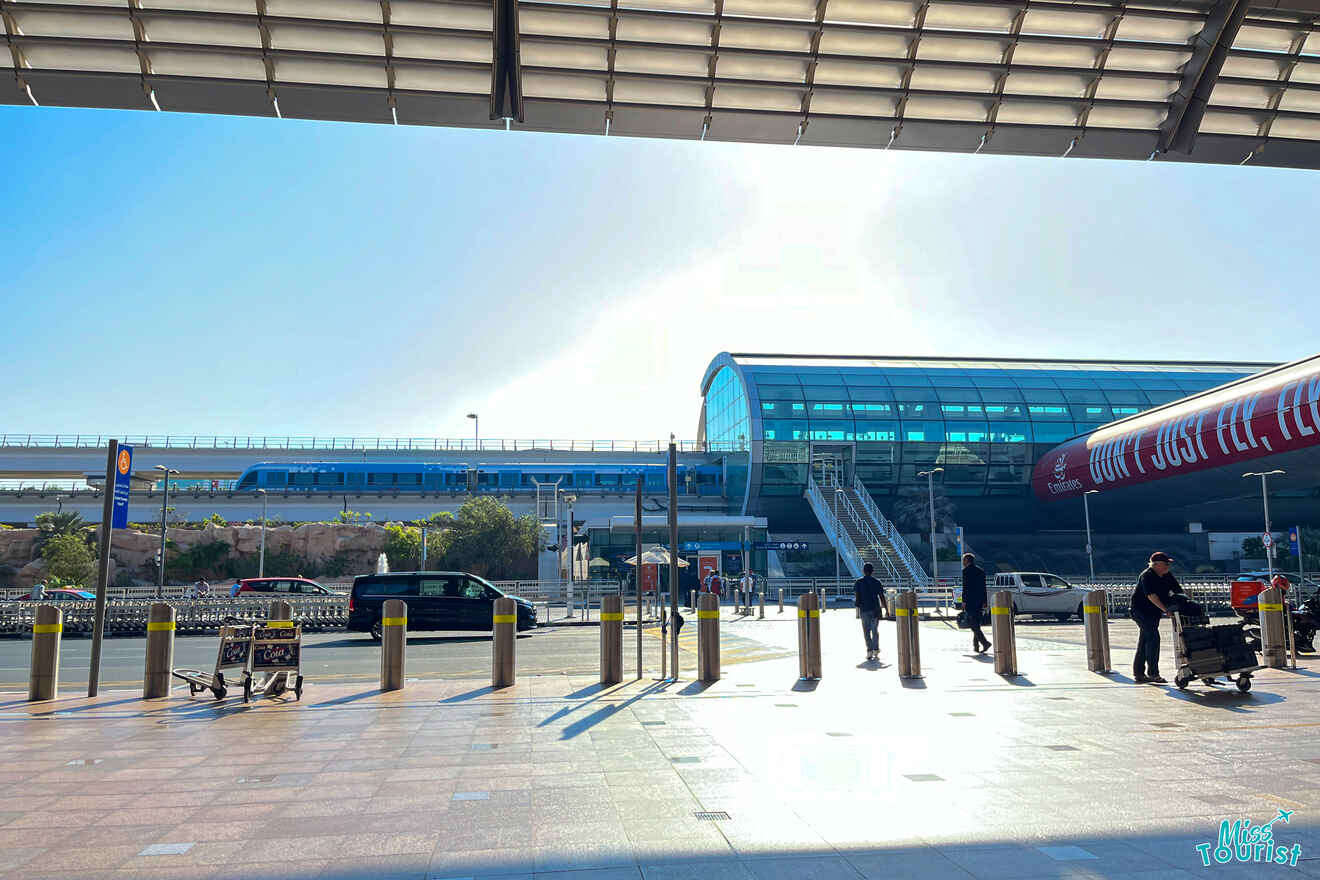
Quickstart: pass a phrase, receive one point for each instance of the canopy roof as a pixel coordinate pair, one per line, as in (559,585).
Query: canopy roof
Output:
(1212,82)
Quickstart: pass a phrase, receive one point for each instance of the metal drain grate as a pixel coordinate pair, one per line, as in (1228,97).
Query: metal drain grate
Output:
(720,816)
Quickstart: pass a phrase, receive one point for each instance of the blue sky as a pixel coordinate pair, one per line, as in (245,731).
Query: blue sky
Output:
(192,274)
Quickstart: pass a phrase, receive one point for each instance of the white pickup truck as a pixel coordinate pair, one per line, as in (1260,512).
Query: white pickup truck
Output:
(1037,592)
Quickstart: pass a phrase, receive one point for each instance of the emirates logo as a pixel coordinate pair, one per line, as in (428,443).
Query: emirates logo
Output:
(1061,466)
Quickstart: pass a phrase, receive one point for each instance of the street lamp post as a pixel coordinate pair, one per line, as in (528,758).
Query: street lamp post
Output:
(164,503)
(568,501)
(1086,507)
(476,430)
(261,558)
(1265,500)
(930,490)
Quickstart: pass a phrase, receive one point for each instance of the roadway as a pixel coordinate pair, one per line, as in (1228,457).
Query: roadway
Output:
(354,657)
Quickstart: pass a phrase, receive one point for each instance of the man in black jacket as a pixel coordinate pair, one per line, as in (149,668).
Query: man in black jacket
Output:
(1150,602)
(869,597)
(973,598)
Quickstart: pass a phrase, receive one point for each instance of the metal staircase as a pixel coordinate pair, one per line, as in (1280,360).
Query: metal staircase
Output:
(862,533)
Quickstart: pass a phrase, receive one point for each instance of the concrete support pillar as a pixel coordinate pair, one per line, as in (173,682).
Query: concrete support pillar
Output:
(809,636)
(44,676)
(1001,629)
(1273,646)
(708,637)
(1095,611)
(909,635)
(393,644)
(160,651)
(611,639)
(503,644)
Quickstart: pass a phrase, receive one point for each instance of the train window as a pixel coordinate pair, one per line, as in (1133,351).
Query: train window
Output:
(380,478)
(329,479)
(355,478)
(248,481)
(607,479)
(408,479)
(277,478)
(297,479)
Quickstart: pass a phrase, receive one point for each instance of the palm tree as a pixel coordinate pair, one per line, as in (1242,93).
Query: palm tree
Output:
(52,524)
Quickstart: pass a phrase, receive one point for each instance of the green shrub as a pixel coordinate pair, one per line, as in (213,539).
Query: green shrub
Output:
(68,558)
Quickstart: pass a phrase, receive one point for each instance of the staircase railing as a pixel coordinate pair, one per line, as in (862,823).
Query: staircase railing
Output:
(890,532)
(869,537)
(839,537)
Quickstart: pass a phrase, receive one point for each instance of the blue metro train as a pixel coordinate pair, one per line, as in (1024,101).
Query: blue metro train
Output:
(365,477)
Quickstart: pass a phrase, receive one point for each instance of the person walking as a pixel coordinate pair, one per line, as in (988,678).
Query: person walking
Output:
(715,586)
(233,591)
(973,601)
(748,584)
(38,593)
(1150,602)
(869,597)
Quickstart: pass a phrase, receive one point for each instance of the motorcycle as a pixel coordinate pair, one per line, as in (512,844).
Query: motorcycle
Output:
(1305,622)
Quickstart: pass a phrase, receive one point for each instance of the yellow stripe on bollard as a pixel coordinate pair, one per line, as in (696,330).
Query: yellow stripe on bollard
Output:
(160,626)
(1001,610)
(279,624)
(815,612)
(48,628)
(394,621)
(1091,609)
(1271,606)
(708,615)
(904,612)
(605,615)
(506,618)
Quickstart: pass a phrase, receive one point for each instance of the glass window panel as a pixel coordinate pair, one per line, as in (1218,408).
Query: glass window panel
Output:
(1084,396)
(962,394)
(990,380)
(921,431)
(1053,432)
(873,410)
(1035,382)
(1042,395)
(779,392)
(872,393)
(784,429)
(914,393)
(877,431)
(1010,432)
(826,429)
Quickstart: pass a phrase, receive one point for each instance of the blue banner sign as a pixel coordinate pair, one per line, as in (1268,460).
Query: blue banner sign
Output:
(1293,534)
(123,479)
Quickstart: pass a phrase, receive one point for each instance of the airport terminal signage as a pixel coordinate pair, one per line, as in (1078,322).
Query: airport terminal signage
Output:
(1274,413)
(123,481)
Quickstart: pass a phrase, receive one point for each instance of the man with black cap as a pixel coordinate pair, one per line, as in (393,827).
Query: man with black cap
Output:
(1150,602)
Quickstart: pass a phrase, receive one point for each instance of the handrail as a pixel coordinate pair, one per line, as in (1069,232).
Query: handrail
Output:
(841,539)
(358,444)
(872,540)
(915,567)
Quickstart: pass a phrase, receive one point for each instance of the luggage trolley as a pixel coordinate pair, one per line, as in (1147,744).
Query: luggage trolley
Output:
(276,651)
(235,652)
(1206,652)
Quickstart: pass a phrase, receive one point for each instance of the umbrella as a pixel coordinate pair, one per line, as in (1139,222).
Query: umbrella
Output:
(597,562)
(655,556)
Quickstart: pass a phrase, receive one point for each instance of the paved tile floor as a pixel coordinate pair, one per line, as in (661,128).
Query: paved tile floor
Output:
(962,774)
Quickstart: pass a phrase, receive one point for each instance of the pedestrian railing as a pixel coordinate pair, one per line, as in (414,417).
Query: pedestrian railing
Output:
(355,444)
(129,616)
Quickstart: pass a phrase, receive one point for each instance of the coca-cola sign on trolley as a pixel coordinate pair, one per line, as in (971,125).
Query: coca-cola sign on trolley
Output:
(1275,412)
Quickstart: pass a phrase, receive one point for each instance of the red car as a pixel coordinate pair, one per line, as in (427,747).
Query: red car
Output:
(62,595)
(295,585)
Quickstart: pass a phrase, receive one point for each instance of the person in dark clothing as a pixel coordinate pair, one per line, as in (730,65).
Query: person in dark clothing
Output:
(973,600)
(869,597)
(1150,602)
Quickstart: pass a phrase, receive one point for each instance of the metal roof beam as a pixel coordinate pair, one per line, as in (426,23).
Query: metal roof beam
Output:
(1210,50)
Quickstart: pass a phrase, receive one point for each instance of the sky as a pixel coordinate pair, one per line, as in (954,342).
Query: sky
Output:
(187,274)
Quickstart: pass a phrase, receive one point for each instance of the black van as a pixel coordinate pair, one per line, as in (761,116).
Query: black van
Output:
(435,600)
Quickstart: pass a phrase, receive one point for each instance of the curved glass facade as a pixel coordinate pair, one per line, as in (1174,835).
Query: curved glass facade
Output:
(728,421)
(984,422)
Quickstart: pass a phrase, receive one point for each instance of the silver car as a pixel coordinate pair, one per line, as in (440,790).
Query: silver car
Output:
(1038,592)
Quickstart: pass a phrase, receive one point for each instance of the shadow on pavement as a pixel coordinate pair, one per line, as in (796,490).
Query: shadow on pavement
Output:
(806,685)
(915,684)
(469,695)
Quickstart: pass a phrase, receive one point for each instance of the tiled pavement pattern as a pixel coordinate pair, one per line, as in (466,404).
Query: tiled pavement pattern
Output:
(1059,773)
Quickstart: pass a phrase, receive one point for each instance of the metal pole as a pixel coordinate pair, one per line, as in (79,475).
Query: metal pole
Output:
(476,431)
(934,558)
(672,479)
(164,500)
(103,569)
(637,571)
(569,501)
(424,548)
(1269,551)
(261,559)
(1086,507)
(837,538)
